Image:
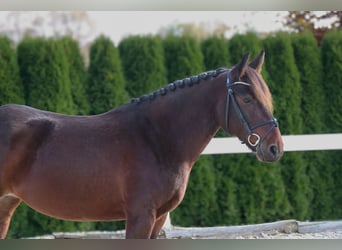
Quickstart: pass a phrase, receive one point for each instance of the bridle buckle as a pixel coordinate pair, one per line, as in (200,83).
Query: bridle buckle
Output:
(256,138)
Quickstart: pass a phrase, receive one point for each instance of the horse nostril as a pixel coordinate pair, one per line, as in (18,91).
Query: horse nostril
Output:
(274,150)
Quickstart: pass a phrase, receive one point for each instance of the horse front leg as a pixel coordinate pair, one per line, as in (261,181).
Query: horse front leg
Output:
(139,225)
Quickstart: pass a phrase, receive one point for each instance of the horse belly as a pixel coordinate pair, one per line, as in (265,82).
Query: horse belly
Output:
(73,195)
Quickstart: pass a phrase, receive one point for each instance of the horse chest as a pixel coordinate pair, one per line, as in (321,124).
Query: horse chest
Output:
(175,184)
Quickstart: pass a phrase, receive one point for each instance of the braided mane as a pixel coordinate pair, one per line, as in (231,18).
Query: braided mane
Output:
(179,84)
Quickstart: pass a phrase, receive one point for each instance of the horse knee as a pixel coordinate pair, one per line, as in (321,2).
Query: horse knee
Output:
(8,204)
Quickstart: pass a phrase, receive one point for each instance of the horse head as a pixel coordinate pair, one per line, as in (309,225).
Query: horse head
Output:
(249,110)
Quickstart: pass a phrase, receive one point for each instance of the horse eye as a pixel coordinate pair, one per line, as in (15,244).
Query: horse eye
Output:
(247,100)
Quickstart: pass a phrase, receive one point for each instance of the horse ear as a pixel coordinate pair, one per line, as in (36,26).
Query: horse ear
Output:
(242,66)
(258,62)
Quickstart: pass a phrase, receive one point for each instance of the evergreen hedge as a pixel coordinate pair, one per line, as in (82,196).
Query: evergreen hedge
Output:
(225,189)
(76,74)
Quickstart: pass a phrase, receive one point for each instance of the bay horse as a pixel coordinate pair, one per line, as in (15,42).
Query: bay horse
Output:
(131,163)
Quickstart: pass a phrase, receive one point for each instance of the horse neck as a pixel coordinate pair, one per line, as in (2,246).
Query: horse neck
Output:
(187,119)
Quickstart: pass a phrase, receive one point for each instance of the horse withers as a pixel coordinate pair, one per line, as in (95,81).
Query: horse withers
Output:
(131,163)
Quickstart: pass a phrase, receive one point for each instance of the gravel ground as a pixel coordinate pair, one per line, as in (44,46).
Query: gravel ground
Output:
(287,229)
(277,235)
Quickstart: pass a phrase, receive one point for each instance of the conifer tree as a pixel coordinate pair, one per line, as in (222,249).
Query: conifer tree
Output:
(227,190)
(332,78)
(284,80)
(11,89)
(77,74)
(143,64)
(250,199)
(259,184)
(199,207)
(183,57)
(308,61)
(105,81)
(240,44)
(215,53)
(45,75)
(332,68)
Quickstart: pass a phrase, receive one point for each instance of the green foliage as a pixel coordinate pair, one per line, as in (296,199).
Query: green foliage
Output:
(215,53)
(143,64)
(284,82)
(308,62)
(183,57)
(199,207)
(11,89)
(46,87)
(105,81)
(77,74)
(240,44)
(227,190)
(332,62)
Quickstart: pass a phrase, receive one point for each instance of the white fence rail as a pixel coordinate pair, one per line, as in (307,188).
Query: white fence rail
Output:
(232,145)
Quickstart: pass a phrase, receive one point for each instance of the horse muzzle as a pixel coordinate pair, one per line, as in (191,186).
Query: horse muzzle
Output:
(270,152)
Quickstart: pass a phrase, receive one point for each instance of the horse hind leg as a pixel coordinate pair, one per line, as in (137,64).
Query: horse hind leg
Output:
(8,204)
(158,226)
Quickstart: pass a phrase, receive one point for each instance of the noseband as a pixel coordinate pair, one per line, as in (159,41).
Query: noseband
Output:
(252,136)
